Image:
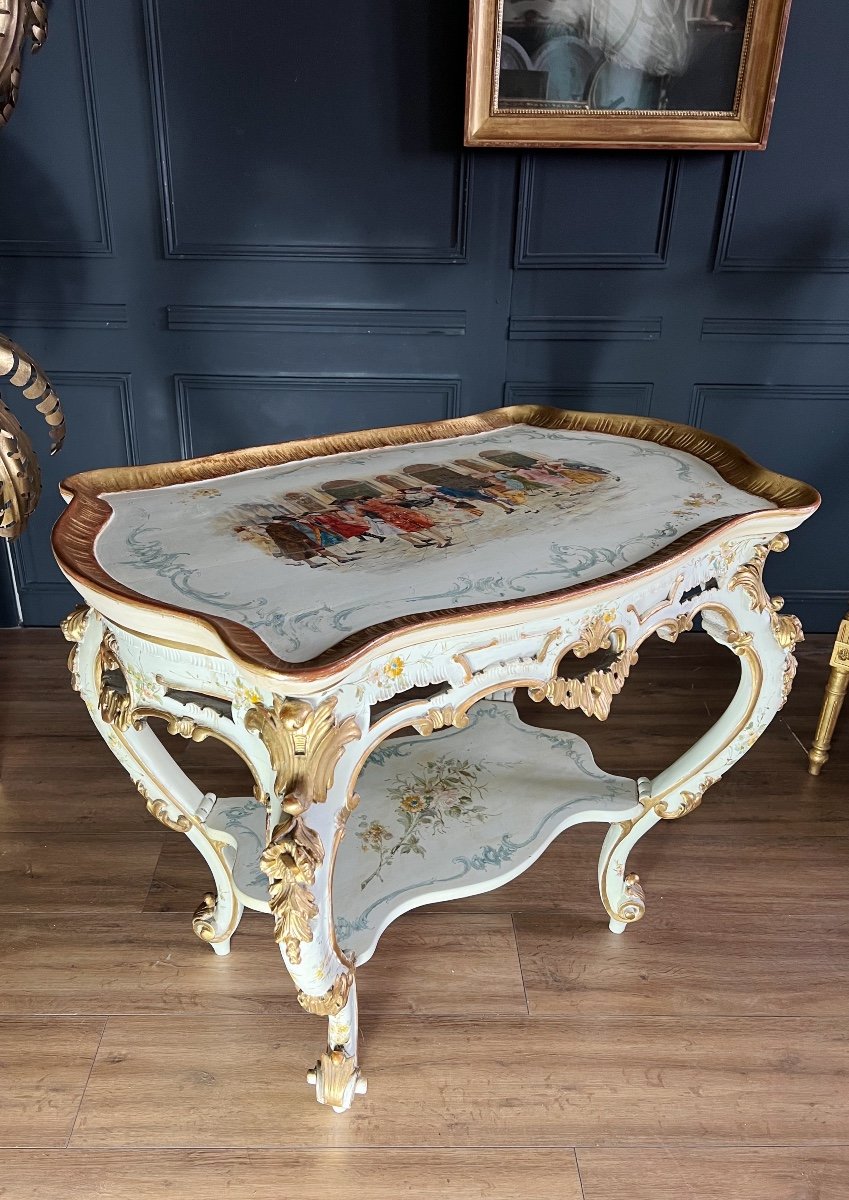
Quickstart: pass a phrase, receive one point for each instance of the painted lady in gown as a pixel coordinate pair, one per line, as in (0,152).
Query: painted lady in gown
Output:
(428,505)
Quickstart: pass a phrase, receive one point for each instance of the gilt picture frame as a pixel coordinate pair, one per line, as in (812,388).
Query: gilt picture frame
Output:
(623,74)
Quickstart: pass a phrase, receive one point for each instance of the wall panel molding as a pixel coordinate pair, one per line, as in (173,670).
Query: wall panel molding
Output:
(584,329)
(779,393)
(655,257)
(178,247)
(297,385)
(611,397)
(773,329)
(100,247)
(245,318)
(57,315)
(725,258)
(814,595)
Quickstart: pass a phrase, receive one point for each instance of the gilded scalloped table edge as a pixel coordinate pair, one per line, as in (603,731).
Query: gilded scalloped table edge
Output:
(76,530)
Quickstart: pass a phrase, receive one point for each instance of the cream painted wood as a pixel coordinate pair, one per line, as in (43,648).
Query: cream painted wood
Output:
(205,690)
(494,795)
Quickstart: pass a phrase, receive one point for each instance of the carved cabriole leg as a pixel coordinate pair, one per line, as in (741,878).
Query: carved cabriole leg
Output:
(835,694)
(314,754)
(741,616)
(169,794)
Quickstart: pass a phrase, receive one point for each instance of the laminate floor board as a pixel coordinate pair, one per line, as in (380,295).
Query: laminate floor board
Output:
(53,872)
(564,877)
(82,791)
(152,964)
(704,1052)
(382,1174)
(36,692)
(179,879)
(620,746)
(686,687)
(506,1081)
(45,1067)
(724,1173)
(691,957)
(772,862)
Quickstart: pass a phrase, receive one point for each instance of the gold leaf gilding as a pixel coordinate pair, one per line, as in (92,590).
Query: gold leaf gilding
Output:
(304,744)
(290,861)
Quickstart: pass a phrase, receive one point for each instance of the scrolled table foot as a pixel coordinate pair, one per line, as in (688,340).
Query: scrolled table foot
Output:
(336,1078)
(205,924)
(631,907)
(621,891)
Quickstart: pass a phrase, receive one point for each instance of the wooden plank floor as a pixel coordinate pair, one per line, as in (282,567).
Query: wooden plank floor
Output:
(515,1048)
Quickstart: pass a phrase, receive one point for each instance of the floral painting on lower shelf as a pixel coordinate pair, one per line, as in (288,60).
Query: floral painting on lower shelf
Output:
(428,802)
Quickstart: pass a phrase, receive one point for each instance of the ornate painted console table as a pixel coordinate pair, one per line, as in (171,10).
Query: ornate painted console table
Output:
(305,602)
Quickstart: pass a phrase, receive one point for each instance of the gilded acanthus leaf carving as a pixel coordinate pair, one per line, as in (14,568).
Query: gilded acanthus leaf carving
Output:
(672,628)
(786,628)
(787,678)
(73,629)
(593,694)
(689,801)
(596,635)
(331,1002)
(304,744)
(160,810)
(290,861)
(633,905)
(203,921)
(74,625)
(182,726)
(337,1079)
(115,703)
(441,718)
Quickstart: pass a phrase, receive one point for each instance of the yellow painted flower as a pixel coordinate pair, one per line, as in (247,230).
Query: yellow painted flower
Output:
(375,833)
(247,695)
(412,803)
(394,667)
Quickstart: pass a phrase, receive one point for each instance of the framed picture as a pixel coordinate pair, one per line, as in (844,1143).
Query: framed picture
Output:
(629,74)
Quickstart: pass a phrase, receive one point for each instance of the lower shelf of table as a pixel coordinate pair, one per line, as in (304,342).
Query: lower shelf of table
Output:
(461,812)
(454,814)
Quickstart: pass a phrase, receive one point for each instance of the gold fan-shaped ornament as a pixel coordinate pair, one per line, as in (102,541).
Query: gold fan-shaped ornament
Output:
(20,477)
(19,19)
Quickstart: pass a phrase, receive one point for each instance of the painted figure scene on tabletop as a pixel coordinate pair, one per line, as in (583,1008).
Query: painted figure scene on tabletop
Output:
(292,551)
(427,506)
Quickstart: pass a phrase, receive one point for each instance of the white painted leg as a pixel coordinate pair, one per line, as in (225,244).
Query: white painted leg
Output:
(621,892)
(738,618)
(168,792)
(314,796)
(300,899)
(336,1076)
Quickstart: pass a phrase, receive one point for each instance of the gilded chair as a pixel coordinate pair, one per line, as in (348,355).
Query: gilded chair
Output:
(835,694)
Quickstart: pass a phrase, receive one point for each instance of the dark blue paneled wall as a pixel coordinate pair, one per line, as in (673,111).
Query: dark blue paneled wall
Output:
(218,234)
